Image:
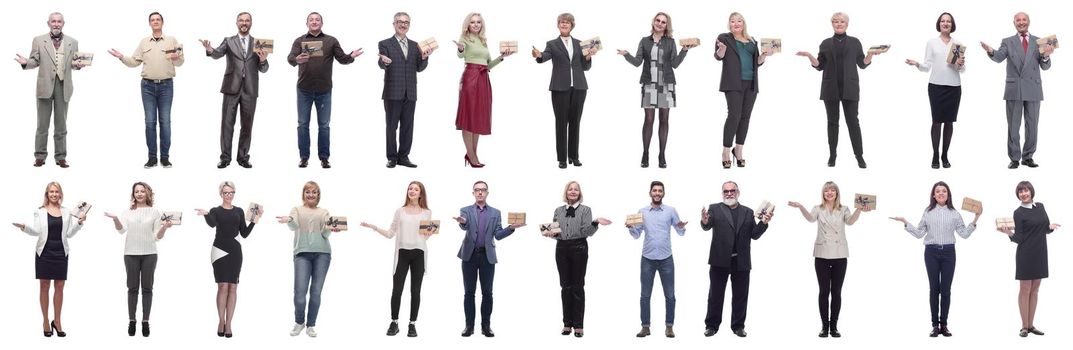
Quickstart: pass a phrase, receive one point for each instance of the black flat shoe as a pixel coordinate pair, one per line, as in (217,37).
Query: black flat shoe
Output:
(934,332)
(487,332)
(145,329)
(709,332)
(393,328)
(935,161)
(826,330)
(222,164)
(578,334)
(1013,164)
(303,163)
(831,161)
(1029,163)
(467,332)
(860,163)
(575,162)
(740,333)
(944,331)
(411,331)
(566,331)
(131,328)
(324,164)
(562,165)
(946,162)
(1035,331)
(245,164)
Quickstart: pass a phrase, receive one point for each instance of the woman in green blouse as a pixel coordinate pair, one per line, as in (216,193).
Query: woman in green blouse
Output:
(474,116)
(312,256)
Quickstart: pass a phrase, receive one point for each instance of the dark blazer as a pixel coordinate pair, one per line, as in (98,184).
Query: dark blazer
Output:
(731,77)
(400,77)
(492,231)
(1023,81)
(238,66)
(725,233)
(562,65)
(669,51)
(854,57)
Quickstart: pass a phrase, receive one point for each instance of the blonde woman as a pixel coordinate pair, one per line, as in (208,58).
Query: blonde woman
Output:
(474,116)
(572,254)
(53,226)
(230,222)
(143,225)
(410,253)
(312,256)
(742,58)
(660,56)
(831,252)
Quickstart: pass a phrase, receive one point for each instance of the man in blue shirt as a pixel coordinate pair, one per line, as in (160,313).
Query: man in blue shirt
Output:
(656,254)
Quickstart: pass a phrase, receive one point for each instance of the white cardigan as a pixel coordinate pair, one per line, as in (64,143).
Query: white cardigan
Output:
(39,228)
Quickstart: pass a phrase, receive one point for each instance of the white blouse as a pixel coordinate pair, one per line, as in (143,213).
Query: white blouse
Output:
(942,73)
(141,226)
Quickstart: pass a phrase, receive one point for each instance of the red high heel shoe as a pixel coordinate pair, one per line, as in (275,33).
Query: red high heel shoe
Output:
(471,164)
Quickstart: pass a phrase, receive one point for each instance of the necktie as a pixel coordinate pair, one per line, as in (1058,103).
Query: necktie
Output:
(244,47)
(1024,42)
(405,47)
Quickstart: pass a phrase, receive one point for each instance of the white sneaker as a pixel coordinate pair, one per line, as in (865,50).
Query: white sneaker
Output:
(297,329)
(312,333)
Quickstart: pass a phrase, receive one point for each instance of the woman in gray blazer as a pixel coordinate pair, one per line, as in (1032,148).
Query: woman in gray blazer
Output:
(831,251)
(741,59)
(659,54)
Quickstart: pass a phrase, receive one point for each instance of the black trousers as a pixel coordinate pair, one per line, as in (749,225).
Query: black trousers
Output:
(739,280)
(852,123)
(572,259)
(412,260)
(399,115)
(830,274)
(567,106)
(739,110)
(248,101)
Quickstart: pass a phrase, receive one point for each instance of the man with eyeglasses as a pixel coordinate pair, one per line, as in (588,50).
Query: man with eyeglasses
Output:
(401,59)
(483,226)
(732,227)
(658,219)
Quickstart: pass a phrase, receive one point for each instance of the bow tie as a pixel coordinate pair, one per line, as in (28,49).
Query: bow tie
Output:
(570,211)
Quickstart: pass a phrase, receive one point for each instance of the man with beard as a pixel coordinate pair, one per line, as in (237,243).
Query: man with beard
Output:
(53,53)
(656,255)
(732,226)
(239,88)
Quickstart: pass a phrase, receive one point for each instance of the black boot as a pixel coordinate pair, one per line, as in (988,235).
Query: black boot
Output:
(825,330)
(834,329)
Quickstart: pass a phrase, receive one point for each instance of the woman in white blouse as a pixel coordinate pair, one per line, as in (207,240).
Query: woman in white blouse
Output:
(144,225)
(831,252)
(945,58)
(937,227)
(411,253)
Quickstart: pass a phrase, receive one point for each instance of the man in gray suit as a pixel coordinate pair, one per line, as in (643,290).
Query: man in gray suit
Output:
(1024,88)
(53,53)
(478,253)
(239,88)
(401,59)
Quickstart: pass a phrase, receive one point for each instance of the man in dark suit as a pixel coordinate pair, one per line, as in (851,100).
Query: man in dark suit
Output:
(568,87)
(1024,88)
(482,224)
(733,227)
(52,54)
(401,59)
(239,88)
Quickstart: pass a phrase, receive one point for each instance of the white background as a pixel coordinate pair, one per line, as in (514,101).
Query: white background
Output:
(885,295)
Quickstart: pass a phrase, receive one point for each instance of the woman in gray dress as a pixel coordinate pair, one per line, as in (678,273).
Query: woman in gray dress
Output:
(1032,227)
(659,55)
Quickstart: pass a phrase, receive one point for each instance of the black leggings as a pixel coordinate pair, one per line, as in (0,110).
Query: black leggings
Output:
(830,273)
(739,110)
(412,260)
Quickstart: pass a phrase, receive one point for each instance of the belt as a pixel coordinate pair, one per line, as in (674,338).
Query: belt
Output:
(939,246)
(156,81)
(479,250)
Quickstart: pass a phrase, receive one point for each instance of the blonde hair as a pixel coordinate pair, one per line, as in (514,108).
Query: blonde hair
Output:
(744,26)
(669,31)
(48,187)
(148,195)
(465,28)
(311,185)
(580,196)
(226,184)
(838,196)
(840,14)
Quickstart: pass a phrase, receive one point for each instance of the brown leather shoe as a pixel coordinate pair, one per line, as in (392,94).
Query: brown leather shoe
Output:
(669,332)
(62,163)
(39,162)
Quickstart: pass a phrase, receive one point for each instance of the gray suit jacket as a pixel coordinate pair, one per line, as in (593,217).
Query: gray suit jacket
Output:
(490,228)
(238,66)
(562,65)
(41,55)
(400,77)
(1023,81)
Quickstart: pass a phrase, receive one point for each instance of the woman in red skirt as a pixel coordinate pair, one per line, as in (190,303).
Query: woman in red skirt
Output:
(475,91)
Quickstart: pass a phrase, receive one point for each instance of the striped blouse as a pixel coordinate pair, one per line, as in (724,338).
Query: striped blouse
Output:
(937,226)
(578,226)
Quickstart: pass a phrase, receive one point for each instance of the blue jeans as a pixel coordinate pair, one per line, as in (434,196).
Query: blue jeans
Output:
(478,266)
(323,102)
(309,272)
(666,277)
(156,100)
(939,260)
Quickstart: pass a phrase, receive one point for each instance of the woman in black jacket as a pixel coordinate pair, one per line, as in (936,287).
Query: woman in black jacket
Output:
(659,53)
(741,57)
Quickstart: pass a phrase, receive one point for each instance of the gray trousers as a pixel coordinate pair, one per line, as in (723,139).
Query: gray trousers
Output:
(140,271)
(231,112)
(1014,110)
(45,109)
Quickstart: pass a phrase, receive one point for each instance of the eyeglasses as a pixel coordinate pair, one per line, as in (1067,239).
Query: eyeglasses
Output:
(403,22)
(480,190)
(730,191)
(227,193)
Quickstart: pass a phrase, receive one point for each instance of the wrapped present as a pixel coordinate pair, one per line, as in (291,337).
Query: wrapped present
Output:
(864,201)
(972,205)
(1051,40)
(81,210)
(694,42)
(508,47)
(262,45)
(336,222)
(429,226)
(764,208)
(957,51)
(772,44)
(428,45)
(1004,223)
(176,217)
(515,218)
(592,44)
(313,48)
(84,59)
(878,49)
(253,211)
(551,228)
(635,219)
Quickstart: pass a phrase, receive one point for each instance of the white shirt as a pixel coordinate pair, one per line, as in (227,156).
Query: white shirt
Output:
(942,73)
(568,41)
(140,226)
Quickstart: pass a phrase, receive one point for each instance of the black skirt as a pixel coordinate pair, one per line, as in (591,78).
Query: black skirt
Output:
(944,100)
(51,266)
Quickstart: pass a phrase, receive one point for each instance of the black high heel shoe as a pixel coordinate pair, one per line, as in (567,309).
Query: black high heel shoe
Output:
(59,333)
(737,159)
(473,165)
(48,333)
(220,332)
(662,161)
(935,161)
(946,162)
(644,160)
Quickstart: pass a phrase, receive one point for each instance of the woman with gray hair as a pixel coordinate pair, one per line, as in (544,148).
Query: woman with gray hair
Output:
(568,86)
(230,222)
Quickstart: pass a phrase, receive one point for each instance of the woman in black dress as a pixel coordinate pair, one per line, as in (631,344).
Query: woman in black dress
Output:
(229,221)
(53,225)
(1032,226)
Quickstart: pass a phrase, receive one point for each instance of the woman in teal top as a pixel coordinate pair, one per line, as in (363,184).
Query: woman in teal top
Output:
(312,256)
(741,62)
(474,115)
